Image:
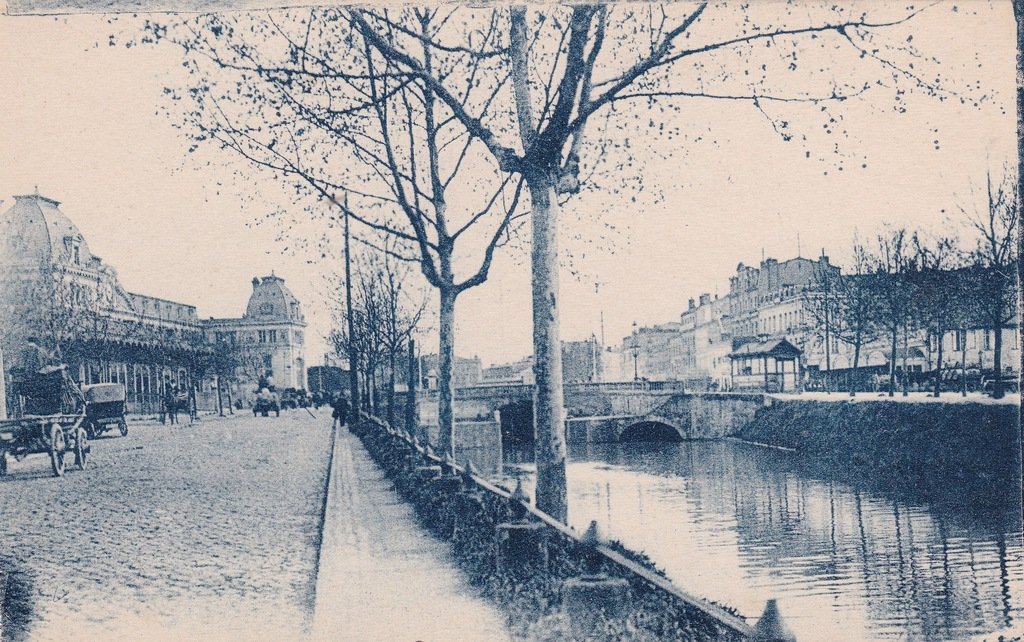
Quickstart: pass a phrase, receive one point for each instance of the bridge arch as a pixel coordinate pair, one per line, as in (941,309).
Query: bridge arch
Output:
(517,421)
(651,430)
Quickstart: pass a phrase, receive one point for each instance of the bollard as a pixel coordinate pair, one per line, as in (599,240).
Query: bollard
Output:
(440,497)
(522,549)
(594,598)
(770,627)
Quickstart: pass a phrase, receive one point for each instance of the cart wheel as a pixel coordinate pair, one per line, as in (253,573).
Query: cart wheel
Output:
(57,446)
(123,425)
(81,448)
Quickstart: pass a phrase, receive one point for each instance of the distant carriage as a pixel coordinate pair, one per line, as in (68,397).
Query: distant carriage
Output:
(51,414)
(105,408)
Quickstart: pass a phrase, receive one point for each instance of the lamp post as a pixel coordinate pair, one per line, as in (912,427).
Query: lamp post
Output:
(636,353)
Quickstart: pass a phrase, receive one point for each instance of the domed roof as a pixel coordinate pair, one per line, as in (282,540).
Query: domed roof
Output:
(34,230)
(271,300)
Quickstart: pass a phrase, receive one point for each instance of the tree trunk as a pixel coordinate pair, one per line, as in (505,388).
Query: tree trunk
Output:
(963,362)
(549,420)
(892,361)
(828,348)
(856,362)
(938,365)
(391,388)
(445,375)
(410,401)
(997,362)
(353,357)
(1018,10)
(220,399)
(905,379)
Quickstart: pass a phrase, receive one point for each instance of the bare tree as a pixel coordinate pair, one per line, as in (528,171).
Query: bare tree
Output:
(518,87)
(995,261)
(893,288)
(937,291)
(822,301)
(567,64)
(857,309)
(306,98)
(400,313)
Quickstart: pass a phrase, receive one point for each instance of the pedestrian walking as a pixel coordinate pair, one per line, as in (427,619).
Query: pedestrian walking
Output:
(171,403)
(340,412)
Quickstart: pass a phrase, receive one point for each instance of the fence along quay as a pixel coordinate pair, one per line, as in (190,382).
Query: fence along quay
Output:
(548,577)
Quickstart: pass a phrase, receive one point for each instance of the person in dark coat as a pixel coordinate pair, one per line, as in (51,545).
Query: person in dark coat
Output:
(33,358)
(171,403)
(340,412)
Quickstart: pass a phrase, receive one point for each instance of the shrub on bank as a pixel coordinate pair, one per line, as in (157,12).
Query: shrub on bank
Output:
(466,511)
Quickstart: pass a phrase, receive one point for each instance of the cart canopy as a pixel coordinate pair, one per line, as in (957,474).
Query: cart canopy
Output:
(104,392)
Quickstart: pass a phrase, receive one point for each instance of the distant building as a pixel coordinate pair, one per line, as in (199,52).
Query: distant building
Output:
(581,361)
(653,353)
(467,372)
(517,372)
(269,338)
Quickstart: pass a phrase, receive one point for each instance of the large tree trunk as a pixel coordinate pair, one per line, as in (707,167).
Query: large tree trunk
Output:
(938,365)
(445,375)
(1018,10)
(549,420)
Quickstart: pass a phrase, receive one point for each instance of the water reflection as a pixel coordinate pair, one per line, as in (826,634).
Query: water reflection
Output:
(850,556)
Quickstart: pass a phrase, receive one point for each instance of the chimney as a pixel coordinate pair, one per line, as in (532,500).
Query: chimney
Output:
(705,299)
(255,282)
(691,305)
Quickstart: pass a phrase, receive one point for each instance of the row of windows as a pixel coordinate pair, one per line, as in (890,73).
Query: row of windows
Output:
(262,336)
(975,340)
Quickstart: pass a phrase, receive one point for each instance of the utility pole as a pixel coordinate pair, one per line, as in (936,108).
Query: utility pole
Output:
(353,376)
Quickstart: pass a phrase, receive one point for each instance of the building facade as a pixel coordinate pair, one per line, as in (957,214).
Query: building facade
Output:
(268,341)
(53,288)
(783,301)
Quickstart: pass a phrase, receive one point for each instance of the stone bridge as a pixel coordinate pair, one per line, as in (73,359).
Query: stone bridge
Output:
(607,411)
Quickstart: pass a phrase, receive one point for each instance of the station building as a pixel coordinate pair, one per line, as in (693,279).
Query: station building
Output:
(54,288)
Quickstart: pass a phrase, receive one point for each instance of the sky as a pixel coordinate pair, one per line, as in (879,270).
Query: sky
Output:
(83,122)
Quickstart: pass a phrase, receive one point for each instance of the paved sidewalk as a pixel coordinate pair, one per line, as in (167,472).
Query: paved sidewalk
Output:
(382,577)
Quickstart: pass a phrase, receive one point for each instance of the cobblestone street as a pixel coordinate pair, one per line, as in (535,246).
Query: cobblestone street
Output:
(206,531)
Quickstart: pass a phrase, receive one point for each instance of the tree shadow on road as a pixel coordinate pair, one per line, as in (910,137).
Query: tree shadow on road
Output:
(16,601)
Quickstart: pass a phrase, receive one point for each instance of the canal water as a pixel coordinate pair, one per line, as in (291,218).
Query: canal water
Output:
(849,558)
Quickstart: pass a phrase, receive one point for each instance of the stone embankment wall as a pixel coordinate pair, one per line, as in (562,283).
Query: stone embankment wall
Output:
(711,415)
(523,559)
(961,440)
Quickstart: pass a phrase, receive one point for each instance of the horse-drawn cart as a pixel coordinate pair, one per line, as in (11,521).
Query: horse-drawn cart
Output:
(51,413)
